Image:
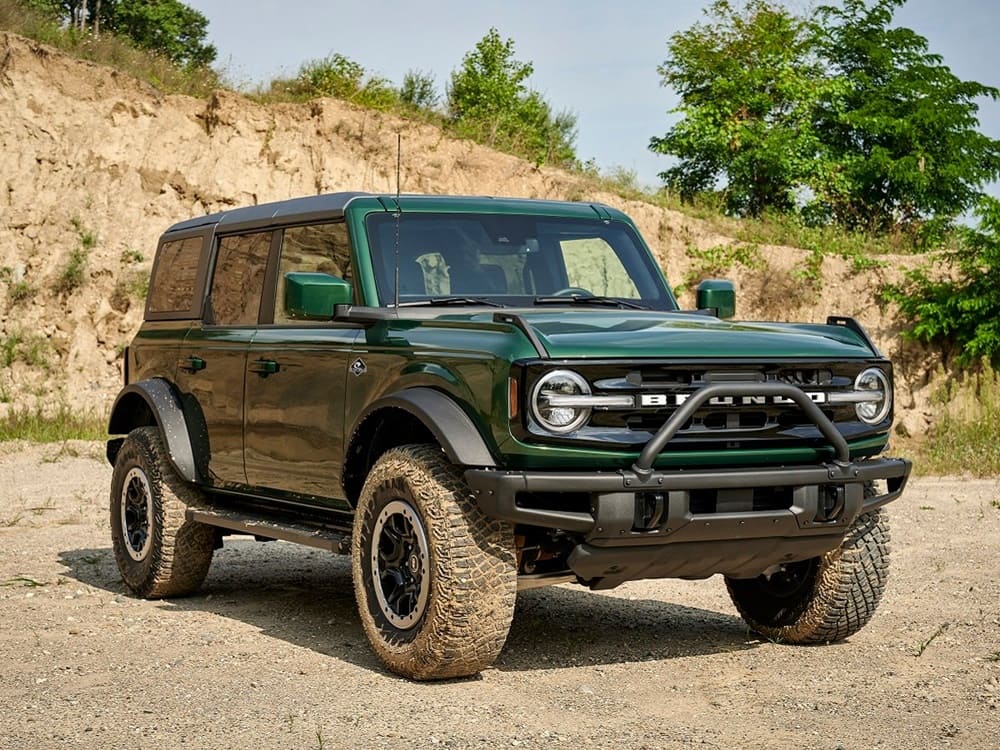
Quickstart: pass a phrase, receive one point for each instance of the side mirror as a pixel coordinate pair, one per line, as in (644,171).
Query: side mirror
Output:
(312,296)
(717,294)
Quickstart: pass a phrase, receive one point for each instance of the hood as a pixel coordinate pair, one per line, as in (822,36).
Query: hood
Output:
(613,334)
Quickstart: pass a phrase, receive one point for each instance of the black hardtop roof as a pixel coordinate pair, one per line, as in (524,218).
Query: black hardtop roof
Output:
(331,206)
(309,208)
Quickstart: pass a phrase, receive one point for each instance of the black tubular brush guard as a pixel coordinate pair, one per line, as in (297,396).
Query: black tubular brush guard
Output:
(497,490)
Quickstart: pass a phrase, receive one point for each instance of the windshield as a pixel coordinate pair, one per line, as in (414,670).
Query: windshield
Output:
(511,260)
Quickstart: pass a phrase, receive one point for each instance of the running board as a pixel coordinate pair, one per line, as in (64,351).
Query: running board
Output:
(263,526)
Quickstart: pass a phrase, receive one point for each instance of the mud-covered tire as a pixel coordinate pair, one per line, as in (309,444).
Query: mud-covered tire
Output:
(159,552)
(435,579)
(825,599)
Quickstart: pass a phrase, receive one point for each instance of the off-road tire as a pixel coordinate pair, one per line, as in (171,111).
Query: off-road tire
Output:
(471,581)
(175,560)
(836,595)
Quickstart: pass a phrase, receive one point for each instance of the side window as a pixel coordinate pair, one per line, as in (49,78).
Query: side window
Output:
(592,264)
(238,280)
(319,248)
(172,287)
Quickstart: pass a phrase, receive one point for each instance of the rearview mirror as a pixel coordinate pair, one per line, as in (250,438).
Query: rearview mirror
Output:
(717,294)
(313,296)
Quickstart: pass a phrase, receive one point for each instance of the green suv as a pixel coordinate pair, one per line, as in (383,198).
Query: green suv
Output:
(475,396)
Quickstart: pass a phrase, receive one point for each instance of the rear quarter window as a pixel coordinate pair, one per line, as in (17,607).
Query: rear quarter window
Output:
(175,277)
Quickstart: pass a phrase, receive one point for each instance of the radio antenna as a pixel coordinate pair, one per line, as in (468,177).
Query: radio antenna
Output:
(399,211)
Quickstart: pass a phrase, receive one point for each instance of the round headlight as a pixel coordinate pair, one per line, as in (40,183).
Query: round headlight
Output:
(873,384)
(556,417)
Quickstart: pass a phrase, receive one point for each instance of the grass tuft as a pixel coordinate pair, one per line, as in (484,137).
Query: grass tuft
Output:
(23,581)
(17,346)
(966,439)
(922,646)
(52,426)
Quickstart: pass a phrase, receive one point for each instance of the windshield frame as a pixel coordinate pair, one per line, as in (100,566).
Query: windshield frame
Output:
(506,233)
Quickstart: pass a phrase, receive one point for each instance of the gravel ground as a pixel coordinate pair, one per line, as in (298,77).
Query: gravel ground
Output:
(270,654)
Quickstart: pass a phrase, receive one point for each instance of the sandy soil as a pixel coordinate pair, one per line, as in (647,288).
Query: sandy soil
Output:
(271,654)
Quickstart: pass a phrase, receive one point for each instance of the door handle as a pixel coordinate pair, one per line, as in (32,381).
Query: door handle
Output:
(264,367)
(192,364)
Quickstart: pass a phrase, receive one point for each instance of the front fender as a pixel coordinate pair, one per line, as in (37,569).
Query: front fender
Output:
(157,398)
(450,425)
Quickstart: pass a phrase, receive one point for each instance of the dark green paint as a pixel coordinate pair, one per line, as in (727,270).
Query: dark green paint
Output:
(313,296)
(718,295)
(279,403)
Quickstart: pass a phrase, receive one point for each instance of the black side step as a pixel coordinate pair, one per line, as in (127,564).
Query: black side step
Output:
(265,526)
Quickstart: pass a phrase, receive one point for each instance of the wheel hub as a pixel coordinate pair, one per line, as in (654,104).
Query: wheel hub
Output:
(136,514)
(789,580)
(400,565)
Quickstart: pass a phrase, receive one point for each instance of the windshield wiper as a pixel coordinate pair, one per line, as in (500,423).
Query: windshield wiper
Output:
(431,301)
(580,299)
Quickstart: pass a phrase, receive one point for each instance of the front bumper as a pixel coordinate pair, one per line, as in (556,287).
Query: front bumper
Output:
(622,542)
(643,523)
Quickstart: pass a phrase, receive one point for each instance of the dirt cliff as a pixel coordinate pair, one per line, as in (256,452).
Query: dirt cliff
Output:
(95,164)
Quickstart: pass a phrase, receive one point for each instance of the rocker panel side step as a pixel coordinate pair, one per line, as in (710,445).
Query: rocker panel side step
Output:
(266,527)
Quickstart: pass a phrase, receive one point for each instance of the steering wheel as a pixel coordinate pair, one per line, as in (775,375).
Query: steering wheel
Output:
(573,291)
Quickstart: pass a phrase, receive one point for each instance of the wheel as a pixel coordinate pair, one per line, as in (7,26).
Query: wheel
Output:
(824,599)
(158,550)
(573,291)
(435,579)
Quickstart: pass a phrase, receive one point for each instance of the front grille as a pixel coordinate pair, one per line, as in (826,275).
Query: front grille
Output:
(674,382)
(741,423)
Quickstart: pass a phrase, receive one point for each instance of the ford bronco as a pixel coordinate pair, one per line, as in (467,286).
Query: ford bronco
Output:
(472,396)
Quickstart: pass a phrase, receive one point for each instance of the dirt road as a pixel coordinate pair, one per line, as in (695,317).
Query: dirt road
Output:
(271,654)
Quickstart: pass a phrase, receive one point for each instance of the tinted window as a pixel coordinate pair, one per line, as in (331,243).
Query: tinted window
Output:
(239,279)
(511,259)
(320,248)
(172,287)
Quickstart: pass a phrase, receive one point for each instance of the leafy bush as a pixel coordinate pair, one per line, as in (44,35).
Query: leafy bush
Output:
(717,260)
(339,77)
(419,91)
(955,302)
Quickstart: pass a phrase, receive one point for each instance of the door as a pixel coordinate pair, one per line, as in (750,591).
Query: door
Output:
(211,371)
(296,381)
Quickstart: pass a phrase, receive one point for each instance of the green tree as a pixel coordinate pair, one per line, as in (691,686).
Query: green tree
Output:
(899,128)
(490,102)
(171,28)
(958,307)
(418,90)
(847,117)
(168,27)
(486,90)
(748,83)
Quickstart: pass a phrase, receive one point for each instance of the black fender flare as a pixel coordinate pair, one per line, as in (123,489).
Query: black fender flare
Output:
(451,426)
(167,409)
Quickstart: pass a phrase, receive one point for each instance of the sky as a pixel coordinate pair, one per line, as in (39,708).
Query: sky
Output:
(595,59)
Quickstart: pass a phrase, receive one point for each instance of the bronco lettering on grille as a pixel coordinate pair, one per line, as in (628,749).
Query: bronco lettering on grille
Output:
(660,400)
